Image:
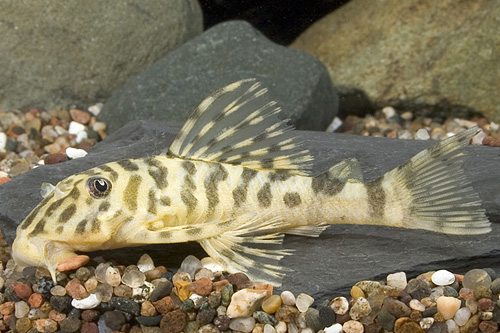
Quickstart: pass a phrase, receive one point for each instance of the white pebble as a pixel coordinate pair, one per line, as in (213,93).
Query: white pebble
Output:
(99,126)
(3,141)
(81,136)
(242,324)
(452,326)
(287,298)
(415,304)
(113,277)
(335,328)
(281,327)
(426,323)
(95,109)
(307,330)
(75,153)
(21,309)
(211,264)
(60,130)
(422,134)
(144,290)
(269,329)
(145,263)
(75,128)
(465,123)
(245,302)
(397,280)
(303,302)
(292,328)
(443,278)
(389,112)
(340,305)
(494,126)
(90,302)
(336,123)
(462,316)
(478,138)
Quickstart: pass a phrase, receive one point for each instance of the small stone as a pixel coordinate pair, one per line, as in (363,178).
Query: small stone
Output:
(210,264)
(245,325)
(113,277)
(99,126)
(462,316)
(335,328)
(80,116)
(287,298)
(182,289)
(123,291)
(245,302)
(100,272)
(340,305)
(95,109)
(239,280)
(264,318)
(90,328)
(83,274)
(162,289)
(485,304)
(488,326)
(148,309)
(396,308)
(448,306)
(190,265)
(201,287)
(214,299)
(35,300)
(386,320)
(472,305)
(204,273)
(482,292)
(353,326)
(61,303)
(114,319)
(389,112)
(74,153)
(75,128)
(23,325)
(360,308)
(397,280)
(181,276)
(22,290)
(417,305)
(205,316)
(443,278)
(104,292)
(150,321)
(287,313)
(21,309)
(227,293)
(271,304)
(471,325)
(476,278)
(90,315)
(164,305)
(45,325)
(75,289)
(89,302)
(174,321)
(91,284)
(466,293)
(422,134)
(71,324)
(418,288)
(303,302)
(357,292)
(153,274)
(134,278)
(449,291)
(222,322)
(126,305)
(326,316)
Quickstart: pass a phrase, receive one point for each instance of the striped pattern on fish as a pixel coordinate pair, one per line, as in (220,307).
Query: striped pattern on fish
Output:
(235,180)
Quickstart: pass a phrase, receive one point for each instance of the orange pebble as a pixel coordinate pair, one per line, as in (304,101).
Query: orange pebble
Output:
(4,180)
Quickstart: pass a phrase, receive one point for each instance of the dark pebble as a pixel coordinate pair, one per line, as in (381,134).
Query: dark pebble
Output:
(163,289)
(451,292)
(222,322)
(61,303)
(491,272)
(264,318)
(326,316)
(174,321)
(227,293)
(90,328)
(168,275)
(418,289)
(438,328)
(374,328)
(429,312)
(91,134)
(312,319)
(149,321)
(114,319)
(71,324)
(11,295)
(205,316)
(11,145)
(77,313)
(240,280)
(396,308)
(18,130)
(495,286)
(214,299)
(56,158)
(29,274)
(496,314)
(187,305)
(341,319)
(126,305)
(90,315)
(45,283)
(386,320)
(404,297)
(104,306)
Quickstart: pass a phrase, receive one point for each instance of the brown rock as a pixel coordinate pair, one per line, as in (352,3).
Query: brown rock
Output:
(396,308)
(57,316)
(488,326)
(90,327)
(491,141)
(35,300)
(471,326)
(22,290)
(239,280)
(406,325)
(56,158)
(219,285)
(80,116)
(164,305)
(287,313)
(148,309)
(90,315)
(7,308)
(75,289)
(173,321)
(202,287)
(485,304)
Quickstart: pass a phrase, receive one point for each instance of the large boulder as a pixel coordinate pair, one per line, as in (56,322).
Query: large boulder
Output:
(172,87)
(322,267)
(56,53)
(412,54)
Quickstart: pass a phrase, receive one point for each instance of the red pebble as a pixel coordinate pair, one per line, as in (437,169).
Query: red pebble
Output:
(80,116)
(164,305)
(202,286)
(488,326)
(35,300)
(56,158)
(485,304)
(22,290)
(76,290)
(90,328)
(465,293)
(219,285)
(491,141)
(4,180)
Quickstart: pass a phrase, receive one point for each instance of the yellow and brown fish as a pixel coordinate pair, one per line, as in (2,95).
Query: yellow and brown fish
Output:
(236,180)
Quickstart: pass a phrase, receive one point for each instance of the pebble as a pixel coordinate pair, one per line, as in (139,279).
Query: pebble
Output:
(36,300)
(164,305)
(361,308)
(340,305)
(80,116)
(271,304)
(353,326)
(22,290)
(443,278)
(396,308)
(89,302)
(245,302)
(45,325)
(397,280)
(75,128)
(133,278)
(239,280)
(71,324)
(242,324)
(222,322)
(75,289)
(74,153)
(21,309)
(104,292)
(476,278)
(448,306)
(303,302)
(112,277)
(417,305)
(211,265)
(126,305)
(462,316)
(201,286)
(422,134)
(174,321)
(123,291)
(287,297)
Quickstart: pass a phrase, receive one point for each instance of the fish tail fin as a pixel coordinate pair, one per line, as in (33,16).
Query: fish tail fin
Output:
(433,191)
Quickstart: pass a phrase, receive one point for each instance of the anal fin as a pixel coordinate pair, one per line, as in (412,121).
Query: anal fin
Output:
(348,169)
(307,230)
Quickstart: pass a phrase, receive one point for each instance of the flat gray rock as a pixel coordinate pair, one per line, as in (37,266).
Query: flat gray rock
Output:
(60,53)
(175,85)
(323,267)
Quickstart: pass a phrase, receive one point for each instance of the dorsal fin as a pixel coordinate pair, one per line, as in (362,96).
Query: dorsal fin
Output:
(348,169)
(238,125)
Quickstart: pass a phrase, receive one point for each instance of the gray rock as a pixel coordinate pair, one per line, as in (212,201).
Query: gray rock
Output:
(412,53)
(343,254)
(175,85)
(73,52)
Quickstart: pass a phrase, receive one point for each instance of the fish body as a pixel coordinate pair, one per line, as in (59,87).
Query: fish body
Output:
(236,180)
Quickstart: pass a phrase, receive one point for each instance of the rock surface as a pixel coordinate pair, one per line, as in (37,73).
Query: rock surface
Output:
(347,253)
(412,53)
(65,52)
(175,85)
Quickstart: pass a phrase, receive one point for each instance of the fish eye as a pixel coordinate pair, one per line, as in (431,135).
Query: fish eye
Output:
(98,187)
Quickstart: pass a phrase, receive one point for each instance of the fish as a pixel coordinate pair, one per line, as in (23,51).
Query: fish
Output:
(237,179)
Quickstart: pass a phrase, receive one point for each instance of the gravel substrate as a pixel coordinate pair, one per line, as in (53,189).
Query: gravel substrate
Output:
(200,297)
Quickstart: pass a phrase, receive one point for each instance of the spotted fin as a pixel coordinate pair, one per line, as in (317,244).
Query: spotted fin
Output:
(253,248)
(46,189)
(348,169)
(434,188)
(238,125)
